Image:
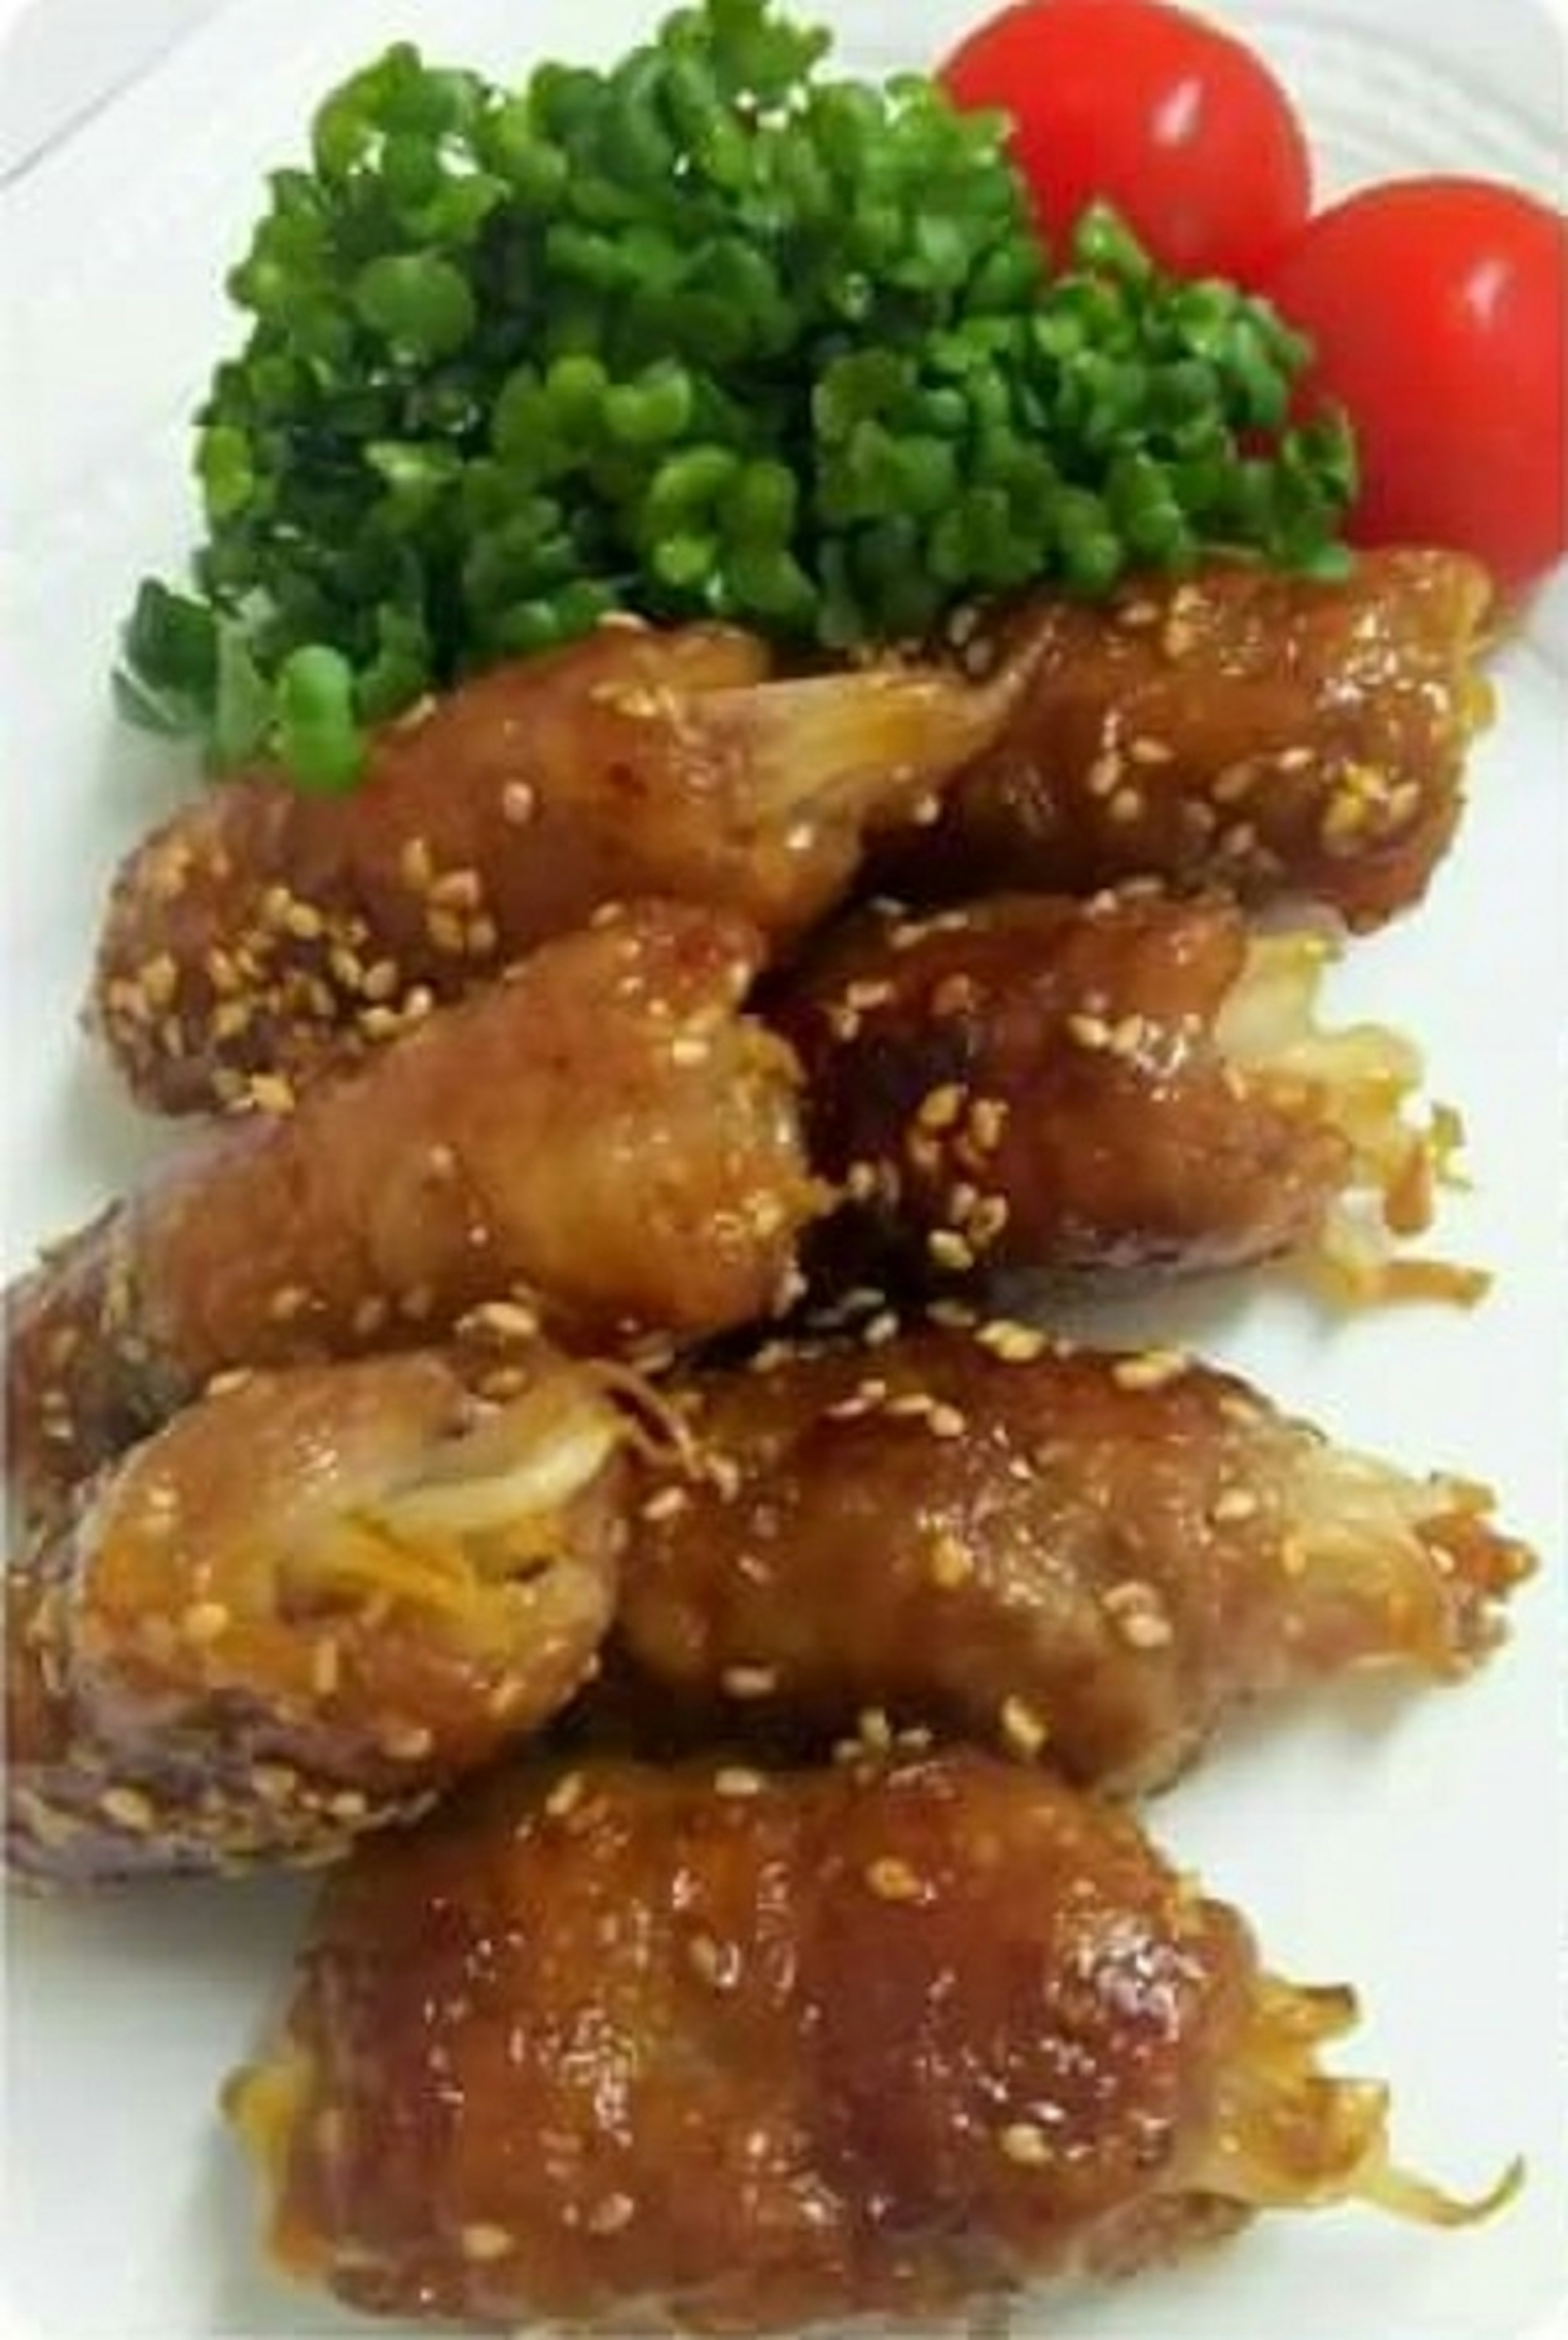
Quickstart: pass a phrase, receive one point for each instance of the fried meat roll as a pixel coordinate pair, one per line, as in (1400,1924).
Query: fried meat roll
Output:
(311,1602)
(264,928)
(605,1136)
(1132,1082)
(670,2049)
(1081,1554)
(1275,736)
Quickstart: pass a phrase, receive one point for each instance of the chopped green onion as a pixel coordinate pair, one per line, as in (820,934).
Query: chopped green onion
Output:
(706,333)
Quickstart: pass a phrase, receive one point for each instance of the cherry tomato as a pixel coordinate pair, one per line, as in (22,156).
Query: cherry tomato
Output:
(1177,124)
(1439,308)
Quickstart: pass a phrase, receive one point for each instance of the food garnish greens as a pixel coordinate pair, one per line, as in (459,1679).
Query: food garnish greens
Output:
(704,333)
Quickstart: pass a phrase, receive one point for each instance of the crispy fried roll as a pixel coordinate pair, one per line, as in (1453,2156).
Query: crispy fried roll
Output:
(1275,736)
(606,1131)
(1081,1554)
(1126,1083)
(262,928)
(732,2053)
(297,1612)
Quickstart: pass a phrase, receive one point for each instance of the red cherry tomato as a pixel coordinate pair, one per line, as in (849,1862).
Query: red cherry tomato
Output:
(1439,308)
(1173,122)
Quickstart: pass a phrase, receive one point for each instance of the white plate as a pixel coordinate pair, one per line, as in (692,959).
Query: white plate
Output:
(1425,1857)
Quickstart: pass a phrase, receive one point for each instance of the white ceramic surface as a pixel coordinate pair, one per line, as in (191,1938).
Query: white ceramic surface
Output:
(1420,1849)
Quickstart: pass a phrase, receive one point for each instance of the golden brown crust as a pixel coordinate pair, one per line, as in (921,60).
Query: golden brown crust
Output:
(263,930)
(1238,727)
(1032,1081)
(605,1138)
(740,2053)
(1077,1555)
(311,1602)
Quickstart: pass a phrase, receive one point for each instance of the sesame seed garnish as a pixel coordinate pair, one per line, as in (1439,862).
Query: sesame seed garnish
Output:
(666,1503)
(457,889)
(948,1249)
(952,1562)
(1089,1031)
(953,1315)
(326,1666)
(415,863)
(1014,1343)
(1127,805)
(275,1783)
(734,1780)
(405,1742)
(1023,1731)
(610,2216)
(874,1729)
(892,1879)
(270,1093)
(1235,1503)
(130,1809)
(446,932)
(866,993)
(987,1220)
(941,1108)
(988,1122)
(1150,1369)
(507,1320)
(749,1681)
(483,2243)
(566,1795)
(1139,1615)
(517,803)
(947,1421)
(1024,2143)
(290,1301)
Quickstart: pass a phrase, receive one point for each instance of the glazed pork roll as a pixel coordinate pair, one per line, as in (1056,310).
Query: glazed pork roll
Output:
(264,931)
(1085,1557)
(606,1143)
(1131,1084)
(1278,737)
(698,2050)
(304,1608)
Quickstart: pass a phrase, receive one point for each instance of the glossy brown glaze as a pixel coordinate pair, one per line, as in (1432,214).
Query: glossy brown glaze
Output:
(605,1138)
(744,2053)
(1085,1557)
(314,1600)
(1038,1082)
(1273,736)
(640,2049)
(264,928)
